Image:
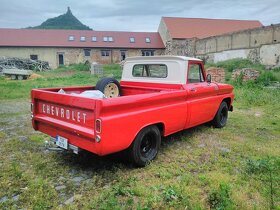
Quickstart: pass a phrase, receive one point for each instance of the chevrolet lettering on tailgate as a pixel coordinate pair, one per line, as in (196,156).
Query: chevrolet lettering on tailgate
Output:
(63,113)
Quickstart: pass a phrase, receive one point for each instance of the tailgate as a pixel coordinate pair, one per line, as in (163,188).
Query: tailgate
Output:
(67,114)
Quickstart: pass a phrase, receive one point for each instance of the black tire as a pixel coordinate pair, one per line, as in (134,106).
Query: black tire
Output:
(20,77)
(145,146)
(221,116)
(109,86)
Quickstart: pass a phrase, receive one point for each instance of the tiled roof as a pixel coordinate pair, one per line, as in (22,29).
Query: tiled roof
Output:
(60,38)
(182,28)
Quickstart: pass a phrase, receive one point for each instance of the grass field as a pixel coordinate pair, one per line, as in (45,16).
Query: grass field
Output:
(237,167)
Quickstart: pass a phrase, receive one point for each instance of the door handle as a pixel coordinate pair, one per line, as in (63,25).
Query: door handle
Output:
(193,89)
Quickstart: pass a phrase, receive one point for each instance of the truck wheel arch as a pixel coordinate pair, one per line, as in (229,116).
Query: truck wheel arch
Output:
(227,100)
(160,126)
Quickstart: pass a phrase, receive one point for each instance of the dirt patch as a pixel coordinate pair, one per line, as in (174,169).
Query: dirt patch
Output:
(250,112)
(35,76)
(11,106)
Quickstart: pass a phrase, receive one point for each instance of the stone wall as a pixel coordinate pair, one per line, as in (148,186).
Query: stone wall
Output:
(259,45)
(217,74)
(245,74)
(163,31)
(70,55)
(183,47)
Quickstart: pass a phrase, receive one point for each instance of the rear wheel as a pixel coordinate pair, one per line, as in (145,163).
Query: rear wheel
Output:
(221,116)
(145,146)
(20,77)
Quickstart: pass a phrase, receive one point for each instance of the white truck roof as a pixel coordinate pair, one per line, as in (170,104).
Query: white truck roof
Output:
(176,67)
(162,58)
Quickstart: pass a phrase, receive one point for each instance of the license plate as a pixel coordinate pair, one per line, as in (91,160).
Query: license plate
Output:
(61,142)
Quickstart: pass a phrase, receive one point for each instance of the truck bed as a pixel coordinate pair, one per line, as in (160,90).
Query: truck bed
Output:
(73,117)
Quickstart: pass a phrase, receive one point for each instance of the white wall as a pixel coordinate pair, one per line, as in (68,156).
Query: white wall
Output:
(270,55)
(230,54)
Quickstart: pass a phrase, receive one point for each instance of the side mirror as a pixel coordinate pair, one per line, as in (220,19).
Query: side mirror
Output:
(208,78)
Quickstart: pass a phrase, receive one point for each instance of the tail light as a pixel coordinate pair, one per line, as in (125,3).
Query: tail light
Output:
(98,126)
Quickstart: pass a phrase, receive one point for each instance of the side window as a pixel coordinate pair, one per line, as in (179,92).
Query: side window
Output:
(150,70)
(195,74)
(138,71)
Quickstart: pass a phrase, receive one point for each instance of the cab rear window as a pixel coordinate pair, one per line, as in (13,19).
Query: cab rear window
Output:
(150,70)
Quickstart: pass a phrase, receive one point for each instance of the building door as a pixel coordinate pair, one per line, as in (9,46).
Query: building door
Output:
(60,59)
(123,55)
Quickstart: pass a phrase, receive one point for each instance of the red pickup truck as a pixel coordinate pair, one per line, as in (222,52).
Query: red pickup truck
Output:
(157,96)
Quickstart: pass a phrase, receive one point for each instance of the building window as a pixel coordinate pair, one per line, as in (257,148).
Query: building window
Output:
(82,38)
(34,57)
(105,53)
(71,38)
(94,39)
(150,70)
(147,53)
(132,39)
(87,52)
(148,40)
(108,39)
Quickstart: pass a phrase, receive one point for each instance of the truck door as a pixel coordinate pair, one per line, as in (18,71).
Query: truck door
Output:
(201,95)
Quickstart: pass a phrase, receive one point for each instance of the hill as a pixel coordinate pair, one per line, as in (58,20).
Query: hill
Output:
(65,21)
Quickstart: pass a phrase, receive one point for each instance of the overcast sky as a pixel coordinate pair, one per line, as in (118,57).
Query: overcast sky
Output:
(134,15)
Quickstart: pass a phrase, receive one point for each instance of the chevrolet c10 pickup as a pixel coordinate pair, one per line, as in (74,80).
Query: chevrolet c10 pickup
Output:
(157,96)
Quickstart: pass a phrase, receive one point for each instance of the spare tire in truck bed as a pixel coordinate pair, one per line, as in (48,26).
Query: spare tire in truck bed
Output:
(109,86)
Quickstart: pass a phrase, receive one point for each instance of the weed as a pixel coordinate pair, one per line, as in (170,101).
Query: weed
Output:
(266,78)
(268,171)
(16,170)
(170,195)
(237,63)
(220,198)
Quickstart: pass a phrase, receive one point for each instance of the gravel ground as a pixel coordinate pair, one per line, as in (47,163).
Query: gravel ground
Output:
(15,119)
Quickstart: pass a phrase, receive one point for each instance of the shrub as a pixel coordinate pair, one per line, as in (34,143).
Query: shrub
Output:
(238,63)
(266,78)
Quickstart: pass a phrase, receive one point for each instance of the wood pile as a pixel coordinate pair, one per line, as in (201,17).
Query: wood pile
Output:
(21,63)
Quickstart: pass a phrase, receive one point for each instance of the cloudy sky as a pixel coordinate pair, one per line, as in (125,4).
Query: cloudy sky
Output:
(134,15)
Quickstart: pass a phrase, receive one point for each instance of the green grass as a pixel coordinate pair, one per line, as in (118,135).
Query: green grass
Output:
(236,167)
(73,75)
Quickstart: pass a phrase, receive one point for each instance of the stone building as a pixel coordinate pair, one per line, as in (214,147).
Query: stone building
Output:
(179,35)
(64,47)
